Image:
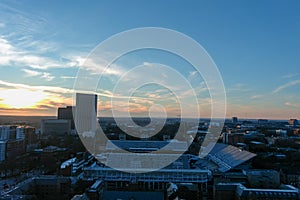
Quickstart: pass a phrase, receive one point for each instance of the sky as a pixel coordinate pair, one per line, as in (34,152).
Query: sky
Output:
(255,45)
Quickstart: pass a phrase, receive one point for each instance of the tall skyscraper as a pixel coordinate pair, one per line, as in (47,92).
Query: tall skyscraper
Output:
(66,113)
(86,113)
(235,120)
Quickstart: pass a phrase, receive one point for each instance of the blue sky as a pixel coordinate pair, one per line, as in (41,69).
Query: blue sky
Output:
(255,45)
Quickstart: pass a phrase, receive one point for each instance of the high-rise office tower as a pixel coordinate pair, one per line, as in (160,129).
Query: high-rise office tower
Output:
(235,120)
(85,113)
(66,113)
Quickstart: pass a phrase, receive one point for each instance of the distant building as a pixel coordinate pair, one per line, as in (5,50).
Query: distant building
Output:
(66,113)
(75,165)
(167,137)
(8,132)
(15,148)
(293,122)
(55,127)
(119,184)
(13,140)
(141,146)
(15,132)
(256,146)
(263,178)
(233,138)
(95,191)
(51,149)
(296,132)
(20,132)
(226,157)
(86,113)
(281,133)
(262,121)
(28,134)
(2,150)
(42,187)
(53,187)
(291,178)
(12,132)
(232,191)
(122,136)
(259,184)
(234,120)
(4,132)
(252,135)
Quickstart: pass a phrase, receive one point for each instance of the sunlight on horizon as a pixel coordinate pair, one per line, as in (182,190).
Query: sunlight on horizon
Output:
(20,98)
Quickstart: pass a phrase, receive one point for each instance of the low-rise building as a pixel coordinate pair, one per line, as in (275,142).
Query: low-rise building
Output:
(15,148)
(55,127)
(41,187)
(237,191)
(233,138)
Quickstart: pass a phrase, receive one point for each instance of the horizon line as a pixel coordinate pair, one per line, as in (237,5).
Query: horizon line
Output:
(227,118)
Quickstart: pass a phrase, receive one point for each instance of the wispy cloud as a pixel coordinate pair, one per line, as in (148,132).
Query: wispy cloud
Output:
(68,77)
(256,96)
(47,76)
(43,75)
(287,85)
(24,42)
(98,64)
(10,55)
(192,75)
(295,105)
(287,76)
(29,72)
(238,87)
(51,89)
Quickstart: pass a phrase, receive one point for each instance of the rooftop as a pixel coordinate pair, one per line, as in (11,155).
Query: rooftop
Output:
(139,145)
(227,157)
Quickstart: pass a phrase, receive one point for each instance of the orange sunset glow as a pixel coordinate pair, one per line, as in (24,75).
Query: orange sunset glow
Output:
(20,98)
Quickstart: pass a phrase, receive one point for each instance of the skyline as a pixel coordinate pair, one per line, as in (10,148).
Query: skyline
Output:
(254,45)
